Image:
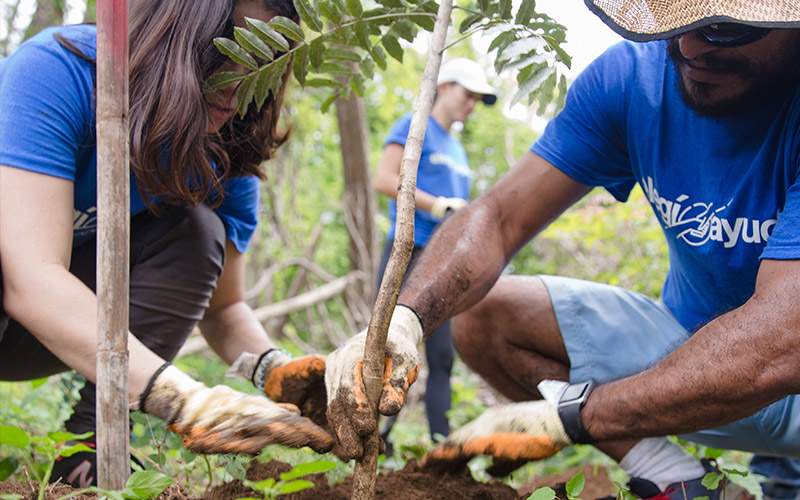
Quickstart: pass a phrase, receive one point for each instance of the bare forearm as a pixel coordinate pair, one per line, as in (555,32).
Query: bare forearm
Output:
(730,369)
(61,313)
(233,329)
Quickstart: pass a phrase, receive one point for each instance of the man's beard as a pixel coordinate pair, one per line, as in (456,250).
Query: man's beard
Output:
(767,84)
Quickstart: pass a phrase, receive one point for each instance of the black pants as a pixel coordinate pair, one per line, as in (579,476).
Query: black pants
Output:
(440,354)
(176,260)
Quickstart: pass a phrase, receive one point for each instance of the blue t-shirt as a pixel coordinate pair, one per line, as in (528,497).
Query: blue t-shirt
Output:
(725,192)
(47,125)
(443,171)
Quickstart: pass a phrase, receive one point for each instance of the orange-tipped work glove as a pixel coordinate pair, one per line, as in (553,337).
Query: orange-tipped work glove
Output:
(300,382)
(222,420)
(511,434)
(348,409)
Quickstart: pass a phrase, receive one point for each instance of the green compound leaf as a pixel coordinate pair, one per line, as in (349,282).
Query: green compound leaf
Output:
(267,34)
(307,15)
(288,28)
(251,43)
(231,49)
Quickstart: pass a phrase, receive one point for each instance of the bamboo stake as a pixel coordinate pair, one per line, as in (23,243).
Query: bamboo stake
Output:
(113,230)
(374,352)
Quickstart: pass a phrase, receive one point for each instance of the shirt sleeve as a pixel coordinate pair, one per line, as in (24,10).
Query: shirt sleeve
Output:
(399,131)
(239,210)
(587,139)
(46,111)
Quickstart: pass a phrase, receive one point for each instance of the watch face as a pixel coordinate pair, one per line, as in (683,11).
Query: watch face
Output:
(574,392)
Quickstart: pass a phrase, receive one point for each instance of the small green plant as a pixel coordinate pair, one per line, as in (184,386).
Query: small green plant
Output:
(573,488)
(289,482)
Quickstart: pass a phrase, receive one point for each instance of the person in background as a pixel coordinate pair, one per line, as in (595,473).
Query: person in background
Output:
(196,167)
(704,115)
(444,180)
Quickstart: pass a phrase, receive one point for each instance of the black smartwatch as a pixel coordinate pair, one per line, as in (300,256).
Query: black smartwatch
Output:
(569,410)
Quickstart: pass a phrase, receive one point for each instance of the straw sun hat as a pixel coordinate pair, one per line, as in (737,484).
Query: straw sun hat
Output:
(643,20)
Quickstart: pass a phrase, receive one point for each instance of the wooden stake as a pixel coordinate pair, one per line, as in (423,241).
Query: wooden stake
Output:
(113,230)
(374,352)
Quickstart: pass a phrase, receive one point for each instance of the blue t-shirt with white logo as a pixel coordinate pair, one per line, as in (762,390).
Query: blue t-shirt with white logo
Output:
(725,192)
(443,171)
(47,125)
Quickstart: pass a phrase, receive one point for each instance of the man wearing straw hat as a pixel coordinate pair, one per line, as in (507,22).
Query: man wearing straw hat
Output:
(705,117)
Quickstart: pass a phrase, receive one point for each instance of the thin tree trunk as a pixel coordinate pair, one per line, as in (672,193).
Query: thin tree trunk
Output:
(374,353)
(113,239)
(359,196)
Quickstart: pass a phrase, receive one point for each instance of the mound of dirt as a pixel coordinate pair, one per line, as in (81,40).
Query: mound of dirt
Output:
(409,483)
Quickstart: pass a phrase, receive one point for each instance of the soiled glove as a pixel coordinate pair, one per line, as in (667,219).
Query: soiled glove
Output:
(512,434)
(299,382)
(442,205)
(222,420)
(348,409)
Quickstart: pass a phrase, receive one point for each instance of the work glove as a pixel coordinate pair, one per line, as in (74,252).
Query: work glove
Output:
(348,409)
(511,434)
(441,205)
(222,420)
(300,382)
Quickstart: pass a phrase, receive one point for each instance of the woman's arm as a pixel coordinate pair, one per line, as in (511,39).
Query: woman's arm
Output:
(39,292)
(387,177)
(229,325)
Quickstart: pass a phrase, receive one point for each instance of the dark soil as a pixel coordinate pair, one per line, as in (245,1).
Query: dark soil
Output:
(410,483)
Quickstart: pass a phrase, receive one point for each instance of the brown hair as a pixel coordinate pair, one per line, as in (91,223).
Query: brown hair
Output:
(172,54)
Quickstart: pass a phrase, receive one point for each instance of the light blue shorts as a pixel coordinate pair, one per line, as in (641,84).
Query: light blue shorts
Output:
(610,333)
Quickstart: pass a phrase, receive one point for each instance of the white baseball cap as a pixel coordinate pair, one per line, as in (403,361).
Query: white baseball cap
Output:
(469,75)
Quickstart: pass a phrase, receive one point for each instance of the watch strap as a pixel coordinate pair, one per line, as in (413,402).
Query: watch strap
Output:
(569,410)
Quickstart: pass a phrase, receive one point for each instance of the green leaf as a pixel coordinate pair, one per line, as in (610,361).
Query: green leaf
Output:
(301,470)
(330,100)
(270,78)
(14,436)
(300,64)
(69,450)
(526,11)
(532,83)
(329,11)
(222,80)
(737,472)
(711,480)
(8,466)
(38,382)
(575,485)
(379,56)
(542,494)
(148,483)
(11,496)
(294,486)
(362,37)
(338,54)
(354,8)
(406,30)
(334,68)
(288,28)
(307,15)
(63,436)
(244,96)
(469,21)
(263,484)
(231,49)
(392,4)
(267,34)
(376,17)
(424,21)
(322,82)
(358,85)
(562,54)
(316,50)
(504,9)
(392,46)
(368,68)
(502,41)
(251,43)
(713,452)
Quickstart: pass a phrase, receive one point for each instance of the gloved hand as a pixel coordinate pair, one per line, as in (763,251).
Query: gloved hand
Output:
(348,409)
(442,205)
(222,420)
(512,434)
(300,382)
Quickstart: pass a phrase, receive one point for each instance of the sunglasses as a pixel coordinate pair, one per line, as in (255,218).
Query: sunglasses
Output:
(730,34)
